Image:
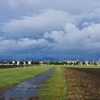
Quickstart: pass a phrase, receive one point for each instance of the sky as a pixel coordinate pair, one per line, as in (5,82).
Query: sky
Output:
(62,29)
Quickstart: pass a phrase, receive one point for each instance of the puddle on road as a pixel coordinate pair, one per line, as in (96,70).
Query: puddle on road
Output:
(27,88)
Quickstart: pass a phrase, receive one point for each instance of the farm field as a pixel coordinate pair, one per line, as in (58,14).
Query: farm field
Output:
(67,83)
(81,66)
(82,83)
(79,83)
(13,76)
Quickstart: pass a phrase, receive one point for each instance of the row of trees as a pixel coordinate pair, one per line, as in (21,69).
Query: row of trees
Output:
(69,63)
(60,63)
(33,62)
(89,63)
(20,62)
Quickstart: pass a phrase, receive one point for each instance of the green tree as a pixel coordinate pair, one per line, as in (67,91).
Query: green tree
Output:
(94,63)
(15,62)
(21,62)
(26,62)
(10,62)
(55,62)
(83,63)
(34,62)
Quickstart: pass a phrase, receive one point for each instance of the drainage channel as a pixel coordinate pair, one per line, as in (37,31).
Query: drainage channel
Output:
(29,88)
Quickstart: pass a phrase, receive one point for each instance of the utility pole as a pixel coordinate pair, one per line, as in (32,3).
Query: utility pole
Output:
(24,63)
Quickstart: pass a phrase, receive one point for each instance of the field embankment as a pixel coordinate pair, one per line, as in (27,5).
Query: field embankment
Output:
(55,87)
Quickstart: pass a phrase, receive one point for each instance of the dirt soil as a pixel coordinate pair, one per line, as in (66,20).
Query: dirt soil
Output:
(82,84)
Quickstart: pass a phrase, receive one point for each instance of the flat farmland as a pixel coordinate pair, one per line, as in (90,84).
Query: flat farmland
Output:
(66,83)
(82,83)
(12,76)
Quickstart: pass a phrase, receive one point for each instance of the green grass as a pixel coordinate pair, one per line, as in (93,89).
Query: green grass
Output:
(12,76)
(55,87)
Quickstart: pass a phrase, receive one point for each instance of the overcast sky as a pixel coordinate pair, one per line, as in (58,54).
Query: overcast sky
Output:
(56,28)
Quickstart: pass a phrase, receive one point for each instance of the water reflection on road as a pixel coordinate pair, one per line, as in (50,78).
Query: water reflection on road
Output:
(28,88)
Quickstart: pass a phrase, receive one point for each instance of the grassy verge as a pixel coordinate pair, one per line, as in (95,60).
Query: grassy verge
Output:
(55,88)
(12,76)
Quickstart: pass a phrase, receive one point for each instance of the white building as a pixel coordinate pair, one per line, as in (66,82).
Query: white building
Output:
(29,62)
(13,62)
(86,62)
(18,63)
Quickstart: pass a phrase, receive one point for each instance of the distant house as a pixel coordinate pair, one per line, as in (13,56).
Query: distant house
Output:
(41,63)
(30,62)
(70,61)
(81,63)
(18,62)
(86,62)
(98,62)
(13,62)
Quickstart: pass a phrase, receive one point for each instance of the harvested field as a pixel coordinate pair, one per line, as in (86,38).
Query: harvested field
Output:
(82,83)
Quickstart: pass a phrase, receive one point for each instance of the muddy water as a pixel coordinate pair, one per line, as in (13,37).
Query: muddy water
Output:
(27,89)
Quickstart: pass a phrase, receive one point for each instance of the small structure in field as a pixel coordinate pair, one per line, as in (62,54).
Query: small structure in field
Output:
(18,62)
(30,62)
(13,62)
(41,63)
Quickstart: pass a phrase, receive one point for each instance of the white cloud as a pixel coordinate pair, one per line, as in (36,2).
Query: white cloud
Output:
(76,6)
(59,25)
(69,39)
(26,42)
(45,21)
(13,3)
(74,39)
(17,3)
(85,24)
(39,23)
(20,44)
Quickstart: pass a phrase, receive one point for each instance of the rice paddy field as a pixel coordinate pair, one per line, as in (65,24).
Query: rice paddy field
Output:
(66,83)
